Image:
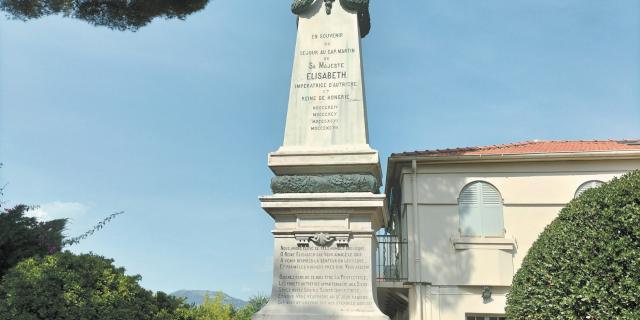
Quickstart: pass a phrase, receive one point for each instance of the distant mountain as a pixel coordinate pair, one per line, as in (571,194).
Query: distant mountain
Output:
(197,297)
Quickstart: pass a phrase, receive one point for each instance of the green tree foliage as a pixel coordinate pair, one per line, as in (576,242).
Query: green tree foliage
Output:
(216,309)
(65,286)
(212,308)
(171,308)
(255,304)
(23,237)
(586,263)
(115,14)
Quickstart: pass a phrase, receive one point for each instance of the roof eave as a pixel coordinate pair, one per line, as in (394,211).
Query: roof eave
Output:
(546,156)
(398,160)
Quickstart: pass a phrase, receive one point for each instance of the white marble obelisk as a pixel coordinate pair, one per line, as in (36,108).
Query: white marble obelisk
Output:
(325,204)
(326,118)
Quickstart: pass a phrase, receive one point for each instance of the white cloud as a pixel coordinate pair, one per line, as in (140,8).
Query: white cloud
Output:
(58,210)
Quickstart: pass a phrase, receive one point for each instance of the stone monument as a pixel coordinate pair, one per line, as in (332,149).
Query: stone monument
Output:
(326,202)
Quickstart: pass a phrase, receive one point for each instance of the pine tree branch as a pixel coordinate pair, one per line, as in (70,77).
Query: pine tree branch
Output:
(97,227)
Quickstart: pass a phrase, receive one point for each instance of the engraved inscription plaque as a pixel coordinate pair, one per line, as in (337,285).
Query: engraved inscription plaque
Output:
(335,277)
(322,282)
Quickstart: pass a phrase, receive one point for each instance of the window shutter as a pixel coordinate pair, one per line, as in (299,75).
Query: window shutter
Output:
(588,185)
(471,194)
(480,210)
(470,215)
(470,221)
(490,195)
(492,223)
(492,220)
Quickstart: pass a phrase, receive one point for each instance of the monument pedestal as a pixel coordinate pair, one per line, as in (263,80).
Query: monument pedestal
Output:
(324,255)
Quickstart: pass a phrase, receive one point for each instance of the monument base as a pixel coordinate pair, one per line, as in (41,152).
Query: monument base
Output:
(301,316)
(324,255)
(304,160)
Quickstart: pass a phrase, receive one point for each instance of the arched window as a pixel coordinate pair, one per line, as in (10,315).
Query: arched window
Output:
(480,210)
(588,185)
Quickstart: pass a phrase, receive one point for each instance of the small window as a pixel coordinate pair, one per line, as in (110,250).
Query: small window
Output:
(480,211)
(586,186)
(487,317)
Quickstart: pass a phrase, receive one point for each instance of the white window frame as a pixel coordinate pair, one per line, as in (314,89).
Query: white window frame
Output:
(486,316)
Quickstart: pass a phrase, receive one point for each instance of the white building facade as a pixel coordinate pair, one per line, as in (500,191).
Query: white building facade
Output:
(462,220)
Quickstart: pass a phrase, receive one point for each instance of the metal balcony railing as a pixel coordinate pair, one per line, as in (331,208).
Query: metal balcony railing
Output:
(391,259)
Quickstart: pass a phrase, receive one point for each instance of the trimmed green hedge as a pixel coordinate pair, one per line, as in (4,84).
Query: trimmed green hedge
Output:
(586,263)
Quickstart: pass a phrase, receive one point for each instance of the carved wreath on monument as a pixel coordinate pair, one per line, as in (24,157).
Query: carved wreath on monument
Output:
(360,6)
(322,239)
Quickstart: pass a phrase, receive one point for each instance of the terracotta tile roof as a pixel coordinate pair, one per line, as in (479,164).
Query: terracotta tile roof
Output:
(532,147)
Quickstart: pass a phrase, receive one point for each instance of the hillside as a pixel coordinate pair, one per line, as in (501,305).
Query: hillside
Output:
(197,297)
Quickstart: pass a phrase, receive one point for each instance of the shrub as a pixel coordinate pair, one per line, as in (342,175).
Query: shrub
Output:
(212,308)
(586,263)
(254,305)
(65,286)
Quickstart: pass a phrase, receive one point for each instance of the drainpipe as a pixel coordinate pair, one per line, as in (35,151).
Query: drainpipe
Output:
(416,234)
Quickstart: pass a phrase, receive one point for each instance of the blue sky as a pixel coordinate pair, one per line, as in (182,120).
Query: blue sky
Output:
(172,124)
